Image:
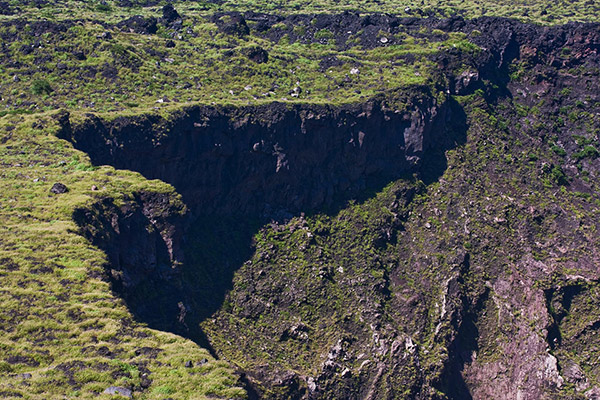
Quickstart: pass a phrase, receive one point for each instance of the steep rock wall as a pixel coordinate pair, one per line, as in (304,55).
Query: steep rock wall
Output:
(268,159)
(143,240)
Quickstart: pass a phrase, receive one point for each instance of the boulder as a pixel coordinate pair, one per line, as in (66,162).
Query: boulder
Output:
(139,24)
(59,188)
(170,14)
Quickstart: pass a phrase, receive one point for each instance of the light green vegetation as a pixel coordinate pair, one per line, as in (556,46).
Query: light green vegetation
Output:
(543,12)
(136,72)
(60,322)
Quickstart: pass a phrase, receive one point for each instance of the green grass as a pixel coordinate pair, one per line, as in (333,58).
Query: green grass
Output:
(57,310)
(542,12)
(131,70)
(139,71)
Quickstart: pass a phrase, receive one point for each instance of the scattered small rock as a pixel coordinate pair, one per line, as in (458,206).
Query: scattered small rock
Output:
(295,92)
(79,55)
(170,44)
(145,381)
(312,385)
(354,71)
(189,364)
(5,8)
(384,40)
(118,390)
(94,188)
(26,375)
(59,188)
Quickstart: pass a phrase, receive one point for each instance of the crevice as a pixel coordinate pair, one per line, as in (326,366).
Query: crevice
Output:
(464,343)
(558,302)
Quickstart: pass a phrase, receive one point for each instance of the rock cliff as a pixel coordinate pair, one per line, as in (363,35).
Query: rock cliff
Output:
(434,243)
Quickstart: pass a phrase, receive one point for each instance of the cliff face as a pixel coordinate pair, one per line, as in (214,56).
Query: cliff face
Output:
(143,239)
(477,281)
(263,160)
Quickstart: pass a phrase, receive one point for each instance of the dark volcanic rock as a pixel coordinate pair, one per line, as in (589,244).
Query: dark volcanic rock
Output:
(283,158)
(5,8)
(139,24)
(143,241)
(257,54)
(59,188)
(169,13)
(231,24)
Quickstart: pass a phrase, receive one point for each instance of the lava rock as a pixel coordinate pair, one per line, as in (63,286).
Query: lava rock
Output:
(257,54)
(232,24)
(5,8)
(145,382)
(139,24)
(170,14)
(466,82)
(59,188)
(79,55)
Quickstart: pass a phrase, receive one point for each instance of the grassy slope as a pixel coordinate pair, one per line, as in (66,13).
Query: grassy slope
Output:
(527,10)
(58,315)
(60,321)
(136,72)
